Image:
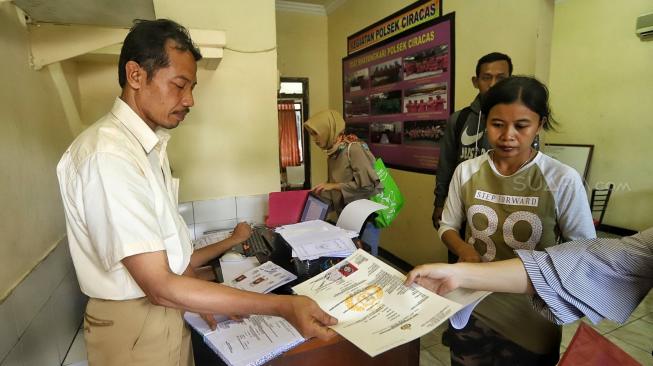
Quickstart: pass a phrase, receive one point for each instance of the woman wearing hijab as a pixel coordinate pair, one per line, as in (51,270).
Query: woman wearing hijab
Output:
(350,164)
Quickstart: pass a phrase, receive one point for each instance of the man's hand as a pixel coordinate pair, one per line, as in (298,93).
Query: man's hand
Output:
(307,317)
(437,216)
(438,277)
(241,232)
(322,187)
(209,319)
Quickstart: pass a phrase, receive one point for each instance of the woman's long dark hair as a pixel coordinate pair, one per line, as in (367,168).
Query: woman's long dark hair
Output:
(525,89)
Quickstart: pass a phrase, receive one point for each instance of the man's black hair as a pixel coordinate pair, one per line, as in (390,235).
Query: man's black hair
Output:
(493,57)
(145,44)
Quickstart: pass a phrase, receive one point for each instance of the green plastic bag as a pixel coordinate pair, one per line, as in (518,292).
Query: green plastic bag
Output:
(391,196)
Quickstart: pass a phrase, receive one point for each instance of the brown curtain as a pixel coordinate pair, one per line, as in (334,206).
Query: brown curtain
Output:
(288,149)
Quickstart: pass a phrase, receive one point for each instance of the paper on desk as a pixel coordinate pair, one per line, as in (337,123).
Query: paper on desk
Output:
(354,214)
(309,227)
(375,311)
(325,246)
(314,239)
(231,270)
(262,279)
(195,321)
(253,341)
(210,238)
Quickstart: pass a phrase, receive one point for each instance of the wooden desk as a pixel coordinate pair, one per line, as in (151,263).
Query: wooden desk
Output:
(340,351)
(337,351)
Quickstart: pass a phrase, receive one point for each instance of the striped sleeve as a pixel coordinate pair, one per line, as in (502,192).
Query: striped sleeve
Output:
(597,278)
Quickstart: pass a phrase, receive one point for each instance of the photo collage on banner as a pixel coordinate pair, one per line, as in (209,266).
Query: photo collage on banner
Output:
(398,95)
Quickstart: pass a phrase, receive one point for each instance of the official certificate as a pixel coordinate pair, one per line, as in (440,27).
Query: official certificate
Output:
(375,311)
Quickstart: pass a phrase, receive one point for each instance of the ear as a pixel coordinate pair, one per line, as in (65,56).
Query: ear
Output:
(543,122)
(135,74)
(475,82)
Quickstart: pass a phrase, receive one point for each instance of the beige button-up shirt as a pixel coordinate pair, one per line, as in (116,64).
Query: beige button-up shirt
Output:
(120,200)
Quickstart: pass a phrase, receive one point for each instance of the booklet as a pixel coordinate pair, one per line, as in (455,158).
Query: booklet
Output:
(262,279)
(259,338)
(375,310)
(249,342)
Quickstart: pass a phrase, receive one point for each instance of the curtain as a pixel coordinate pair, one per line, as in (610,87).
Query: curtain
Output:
(288,147)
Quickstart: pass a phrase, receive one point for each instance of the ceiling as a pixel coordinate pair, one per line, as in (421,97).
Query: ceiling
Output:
(112,13)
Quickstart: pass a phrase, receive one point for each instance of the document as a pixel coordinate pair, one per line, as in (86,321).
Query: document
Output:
(314,239)
(257,339)
(231,270)
(354,214)
(375,311)
(252,341)
(262,279)
(210,238)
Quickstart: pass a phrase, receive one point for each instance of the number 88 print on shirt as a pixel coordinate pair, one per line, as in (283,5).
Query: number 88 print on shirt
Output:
(531,209)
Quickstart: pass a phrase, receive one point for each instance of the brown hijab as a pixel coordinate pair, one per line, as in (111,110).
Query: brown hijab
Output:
(330,127)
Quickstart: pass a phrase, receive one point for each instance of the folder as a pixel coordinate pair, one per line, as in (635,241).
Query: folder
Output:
(285,207)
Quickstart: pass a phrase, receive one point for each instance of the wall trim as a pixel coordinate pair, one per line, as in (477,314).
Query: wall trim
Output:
(4,296)
(334,5)
(293,6)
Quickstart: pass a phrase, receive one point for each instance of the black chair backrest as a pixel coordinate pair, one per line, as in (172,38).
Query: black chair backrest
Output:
(599,201)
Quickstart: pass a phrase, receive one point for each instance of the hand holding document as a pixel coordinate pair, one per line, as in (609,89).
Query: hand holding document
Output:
(375,310)
(251,341)
(257,339)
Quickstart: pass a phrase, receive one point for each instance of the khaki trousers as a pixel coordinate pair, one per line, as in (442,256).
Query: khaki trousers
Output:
(135,332)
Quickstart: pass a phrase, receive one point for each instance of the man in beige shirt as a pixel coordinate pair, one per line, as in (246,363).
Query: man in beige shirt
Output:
(130,247)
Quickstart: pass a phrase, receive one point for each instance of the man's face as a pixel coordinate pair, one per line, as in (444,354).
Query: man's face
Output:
(490,73)
(165,99)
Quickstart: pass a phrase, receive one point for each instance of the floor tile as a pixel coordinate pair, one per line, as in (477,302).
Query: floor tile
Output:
(434,337)
(645,307)
(427,359)
(638,354)
(441,353)
(638,333)
(605,326)
(648,318)
(77,352)
(568,332)
(81,363)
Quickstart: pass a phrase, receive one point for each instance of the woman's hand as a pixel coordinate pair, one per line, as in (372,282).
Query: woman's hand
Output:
(322,187)
(438,277)
(468,254)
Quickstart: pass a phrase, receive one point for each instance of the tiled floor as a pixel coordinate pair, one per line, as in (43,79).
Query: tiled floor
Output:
(76,355)
(635,337)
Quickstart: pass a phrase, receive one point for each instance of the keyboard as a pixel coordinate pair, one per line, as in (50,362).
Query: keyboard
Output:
(258,243)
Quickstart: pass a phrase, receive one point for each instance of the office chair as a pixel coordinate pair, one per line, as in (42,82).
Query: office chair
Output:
(599,203)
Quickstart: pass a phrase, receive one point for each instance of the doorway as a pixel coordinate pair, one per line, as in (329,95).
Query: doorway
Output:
(294,148)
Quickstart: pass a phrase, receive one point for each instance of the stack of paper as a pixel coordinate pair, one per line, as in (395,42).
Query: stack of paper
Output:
(252,341)
(259,338)
(210,238)
(314,239)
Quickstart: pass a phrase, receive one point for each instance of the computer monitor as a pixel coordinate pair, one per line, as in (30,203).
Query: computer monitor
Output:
(314,209)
